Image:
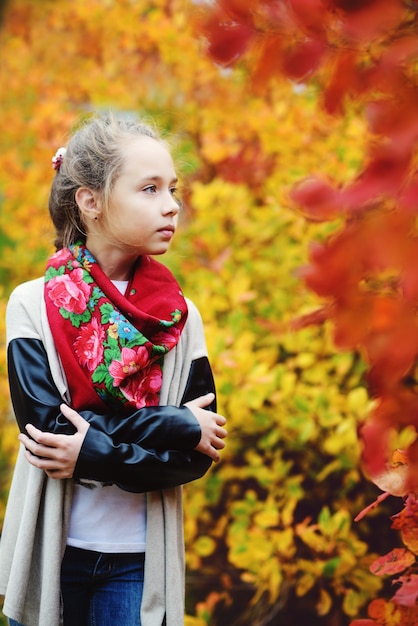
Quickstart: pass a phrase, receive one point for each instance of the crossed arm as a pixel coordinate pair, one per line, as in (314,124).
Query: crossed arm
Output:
(152,448)
(57,455)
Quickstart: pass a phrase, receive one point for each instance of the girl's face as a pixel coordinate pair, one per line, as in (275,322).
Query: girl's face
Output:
(142,212)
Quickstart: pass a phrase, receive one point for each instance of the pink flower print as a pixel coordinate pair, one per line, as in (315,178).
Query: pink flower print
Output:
(61,256)
(143,389)
(132,361)
(167,338)
(138,378)
(89,345)
(69,292)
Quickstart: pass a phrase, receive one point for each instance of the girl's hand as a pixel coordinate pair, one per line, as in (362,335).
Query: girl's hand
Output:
(211,426)
(55,454)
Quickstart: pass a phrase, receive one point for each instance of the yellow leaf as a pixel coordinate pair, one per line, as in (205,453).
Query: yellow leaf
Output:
(275,580)
(353,601)
(194,621)
(204,545)
(267,518)
(305,583)
(324,603)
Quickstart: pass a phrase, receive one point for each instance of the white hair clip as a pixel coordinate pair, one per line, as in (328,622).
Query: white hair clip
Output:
(58,158)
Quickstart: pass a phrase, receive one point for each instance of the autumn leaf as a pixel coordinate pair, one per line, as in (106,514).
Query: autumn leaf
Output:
(317,199)
(324,603)
(238,10)
(384,612)
(392,614)
(382,178)
(302,59)
(406,521)
(309,15)
(364,21)
(227,39)
(407,594)
(375,446)
(392,563)
(343,79)
(394,478)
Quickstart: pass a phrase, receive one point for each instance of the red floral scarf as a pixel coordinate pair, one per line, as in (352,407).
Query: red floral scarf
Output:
(111,345)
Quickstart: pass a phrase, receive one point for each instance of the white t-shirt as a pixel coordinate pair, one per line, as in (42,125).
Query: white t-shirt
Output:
(105,518)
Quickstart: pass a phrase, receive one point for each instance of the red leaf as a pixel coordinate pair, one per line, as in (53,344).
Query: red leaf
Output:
(407,594)
(303,59)
(317,199)
(374,437)
(401,50)
(398,407)
(408,517)
(336,268)
(344,80)
(351,320)
(384,611)
(384,119)
(385,239)
(381,178)
(396,561)
(388,74)
(366,19)
(391,345)
(310,15)
(268,61)
(409,534)
(408,200)
(408,282)
(227,40)
(239,10)
(412,541)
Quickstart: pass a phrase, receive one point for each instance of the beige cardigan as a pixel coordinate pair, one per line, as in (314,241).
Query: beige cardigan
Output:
(37,514)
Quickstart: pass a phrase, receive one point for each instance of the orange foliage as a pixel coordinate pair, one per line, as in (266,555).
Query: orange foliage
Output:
(365,51)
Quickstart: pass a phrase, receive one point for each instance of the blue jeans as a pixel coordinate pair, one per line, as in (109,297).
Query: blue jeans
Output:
(101,589)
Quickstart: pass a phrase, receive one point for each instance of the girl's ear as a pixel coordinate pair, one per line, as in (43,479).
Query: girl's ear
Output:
(88,203)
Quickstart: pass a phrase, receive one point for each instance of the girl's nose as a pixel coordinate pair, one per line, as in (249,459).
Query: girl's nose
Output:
(171,205)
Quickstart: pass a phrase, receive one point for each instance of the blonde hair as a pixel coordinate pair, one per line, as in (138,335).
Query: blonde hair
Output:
(93,159)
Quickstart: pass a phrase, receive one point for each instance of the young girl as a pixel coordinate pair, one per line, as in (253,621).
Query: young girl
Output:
(110,381)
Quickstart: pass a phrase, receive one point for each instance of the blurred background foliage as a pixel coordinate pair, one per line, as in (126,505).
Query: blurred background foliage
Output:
(269,531)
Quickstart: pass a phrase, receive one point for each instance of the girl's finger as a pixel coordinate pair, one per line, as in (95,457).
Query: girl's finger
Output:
(47,439)
(75,418)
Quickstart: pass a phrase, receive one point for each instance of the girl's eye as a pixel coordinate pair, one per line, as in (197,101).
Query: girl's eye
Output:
(173,191)
(150,189)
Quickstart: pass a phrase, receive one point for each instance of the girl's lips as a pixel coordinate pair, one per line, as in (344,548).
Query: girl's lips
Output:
(167,231)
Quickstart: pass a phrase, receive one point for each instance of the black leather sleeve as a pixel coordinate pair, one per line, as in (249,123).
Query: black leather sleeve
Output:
(152,448)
